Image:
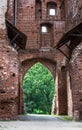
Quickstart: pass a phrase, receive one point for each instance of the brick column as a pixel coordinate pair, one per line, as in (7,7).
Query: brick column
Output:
(76,81)
(9,71)
(61,92)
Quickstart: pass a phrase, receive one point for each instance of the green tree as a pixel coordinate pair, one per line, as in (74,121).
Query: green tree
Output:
(38,87)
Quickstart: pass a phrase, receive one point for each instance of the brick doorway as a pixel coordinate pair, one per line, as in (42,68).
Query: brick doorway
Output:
(26,65)
(38,90)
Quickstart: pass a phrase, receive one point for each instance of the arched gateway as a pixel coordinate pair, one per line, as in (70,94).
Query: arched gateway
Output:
(38,89)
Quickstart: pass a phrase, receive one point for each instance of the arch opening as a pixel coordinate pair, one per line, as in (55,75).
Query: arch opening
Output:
(38,90)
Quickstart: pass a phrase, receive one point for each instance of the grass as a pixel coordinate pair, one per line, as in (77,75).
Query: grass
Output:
(67,118)
(64,117)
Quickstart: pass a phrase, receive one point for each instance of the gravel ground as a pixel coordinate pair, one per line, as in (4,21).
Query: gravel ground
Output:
(38,122)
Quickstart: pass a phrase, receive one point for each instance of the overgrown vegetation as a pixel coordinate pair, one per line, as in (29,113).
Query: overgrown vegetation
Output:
(38,87)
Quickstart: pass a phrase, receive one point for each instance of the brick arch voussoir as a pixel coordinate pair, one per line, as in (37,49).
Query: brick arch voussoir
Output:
(49,64)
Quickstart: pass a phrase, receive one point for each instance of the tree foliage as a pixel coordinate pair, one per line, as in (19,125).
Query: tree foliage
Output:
(38,87)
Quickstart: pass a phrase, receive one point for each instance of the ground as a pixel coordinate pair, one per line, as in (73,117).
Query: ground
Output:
(38,122)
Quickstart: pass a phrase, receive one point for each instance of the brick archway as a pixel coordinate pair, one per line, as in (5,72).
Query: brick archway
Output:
(25,66)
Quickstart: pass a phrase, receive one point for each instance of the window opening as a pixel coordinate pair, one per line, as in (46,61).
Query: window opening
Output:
(51,9)
(44,29)
(52,12)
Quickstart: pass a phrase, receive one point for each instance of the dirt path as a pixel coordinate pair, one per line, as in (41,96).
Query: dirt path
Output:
(37,122)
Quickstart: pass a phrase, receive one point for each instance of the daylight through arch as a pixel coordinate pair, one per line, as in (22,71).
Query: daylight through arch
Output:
(38,88)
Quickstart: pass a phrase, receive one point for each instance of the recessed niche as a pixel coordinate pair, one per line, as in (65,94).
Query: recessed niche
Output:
(15,64)
(46,34)
(2,91)
(1,67)
(13,74)
(63,68)
(2,108)
(8,51)
(51,9)
(38,10)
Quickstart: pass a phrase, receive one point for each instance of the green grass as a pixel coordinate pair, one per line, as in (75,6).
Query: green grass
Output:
(67,118)
(64,117)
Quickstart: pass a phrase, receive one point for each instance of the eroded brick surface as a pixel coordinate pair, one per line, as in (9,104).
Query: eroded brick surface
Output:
(8,82)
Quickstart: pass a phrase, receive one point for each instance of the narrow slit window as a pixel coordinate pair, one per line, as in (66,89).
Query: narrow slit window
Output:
(52,12)
(44,29)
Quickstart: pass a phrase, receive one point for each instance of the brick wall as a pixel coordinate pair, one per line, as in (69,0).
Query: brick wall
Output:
(73,15)
(28,23)
(73,9)
(76,76)
(8,71)
(8,82)
(41,45)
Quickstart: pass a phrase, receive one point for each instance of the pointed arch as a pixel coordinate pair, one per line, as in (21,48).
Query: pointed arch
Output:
(38,87)
(25,66)
(49,64)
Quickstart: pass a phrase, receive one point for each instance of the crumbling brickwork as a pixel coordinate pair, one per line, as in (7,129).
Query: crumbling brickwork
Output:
(8,81)
(43,22)
(8,71)
(76,75)
(73,13)
(73,18)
